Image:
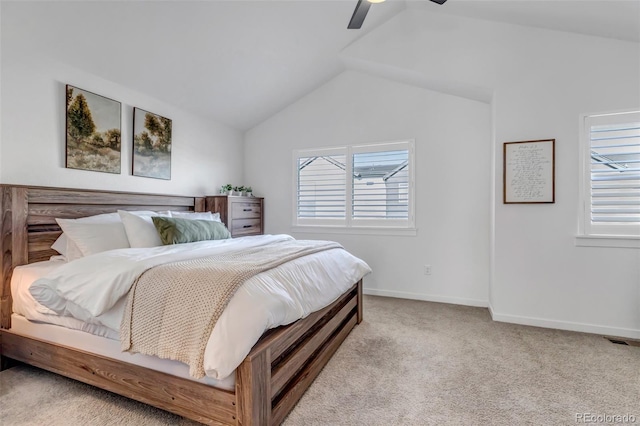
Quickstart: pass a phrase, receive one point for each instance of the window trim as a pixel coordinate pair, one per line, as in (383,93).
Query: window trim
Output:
(359,230)
(350,225)
(599,235)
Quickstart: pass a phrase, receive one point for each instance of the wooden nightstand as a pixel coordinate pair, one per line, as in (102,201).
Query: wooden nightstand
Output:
(242,215)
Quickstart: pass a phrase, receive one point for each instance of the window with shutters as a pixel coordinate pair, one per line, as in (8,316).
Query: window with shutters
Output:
(321,187)
(611,175)
(367,186)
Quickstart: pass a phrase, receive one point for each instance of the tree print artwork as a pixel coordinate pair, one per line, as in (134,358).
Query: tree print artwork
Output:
(151,145)
(93,131)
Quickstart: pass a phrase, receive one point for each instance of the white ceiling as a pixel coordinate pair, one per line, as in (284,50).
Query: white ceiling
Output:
(619,19)
(239,62)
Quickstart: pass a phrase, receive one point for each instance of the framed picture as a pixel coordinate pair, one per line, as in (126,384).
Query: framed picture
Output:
(151,145)
(529,172)
(93,137)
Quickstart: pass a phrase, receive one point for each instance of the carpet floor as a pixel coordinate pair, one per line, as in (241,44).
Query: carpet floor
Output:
(409,363)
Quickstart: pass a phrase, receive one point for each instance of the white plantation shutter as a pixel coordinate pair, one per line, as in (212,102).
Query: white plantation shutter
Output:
(382,185)
(614,174)
(355,186)
(322,187)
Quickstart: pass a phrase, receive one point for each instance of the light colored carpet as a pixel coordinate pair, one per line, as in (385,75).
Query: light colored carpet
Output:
(408,363)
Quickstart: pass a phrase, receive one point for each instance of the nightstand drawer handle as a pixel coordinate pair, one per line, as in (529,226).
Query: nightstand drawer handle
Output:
(247,210)
(247,226)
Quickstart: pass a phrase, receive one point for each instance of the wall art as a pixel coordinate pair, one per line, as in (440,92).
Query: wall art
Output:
(529,172)
(93,126)
(151,145)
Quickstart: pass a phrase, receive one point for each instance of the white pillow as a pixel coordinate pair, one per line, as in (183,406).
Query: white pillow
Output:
(140,229)
(68,249)
(60,244)
(92,237)
(197,215)
(72,251)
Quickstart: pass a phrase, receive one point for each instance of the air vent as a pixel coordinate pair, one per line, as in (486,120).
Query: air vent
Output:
(623,341)
(617,342)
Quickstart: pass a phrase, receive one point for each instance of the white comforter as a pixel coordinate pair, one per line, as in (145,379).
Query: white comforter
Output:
(92,289)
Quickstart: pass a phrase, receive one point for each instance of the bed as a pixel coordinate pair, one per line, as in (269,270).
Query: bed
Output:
(268,382)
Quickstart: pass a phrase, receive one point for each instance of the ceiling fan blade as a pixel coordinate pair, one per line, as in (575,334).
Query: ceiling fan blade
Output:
(439,1)
(359,14)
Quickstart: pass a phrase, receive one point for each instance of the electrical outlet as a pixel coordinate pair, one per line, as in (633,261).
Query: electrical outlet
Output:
(427,269)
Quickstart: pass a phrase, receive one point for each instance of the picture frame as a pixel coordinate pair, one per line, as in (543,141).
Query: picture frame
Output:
(93,131)
(151,145)
(529,172)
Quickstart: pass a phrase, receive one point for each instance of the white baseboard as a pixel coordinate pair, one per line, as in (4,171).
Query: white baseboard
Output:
(566,325)
(426,297)
(513,319)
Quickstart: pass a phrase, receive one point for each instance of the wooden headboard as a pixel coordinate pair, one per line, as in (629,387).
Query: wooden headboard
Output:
(28,226)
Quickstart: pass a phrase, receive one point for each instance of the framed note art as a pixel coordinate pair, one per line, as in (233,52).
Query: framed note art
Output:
(529,172)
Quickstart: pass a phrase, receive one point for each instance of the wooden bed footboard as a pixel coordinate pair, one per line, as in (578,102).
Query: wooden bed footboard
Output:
(269,382)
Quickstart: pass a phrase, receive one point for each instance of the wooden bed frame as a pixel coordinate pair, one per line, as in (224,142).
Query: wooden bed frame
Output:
(270,380)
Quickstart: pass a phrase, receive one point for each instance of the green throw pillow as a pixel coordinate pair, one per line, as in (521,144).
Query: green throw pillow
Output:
(174,230)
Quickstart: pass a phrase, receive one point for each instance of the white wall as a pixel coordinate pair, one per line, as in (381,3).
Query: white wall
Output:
(539,82)
(205,154)
(542,81)
(452,139)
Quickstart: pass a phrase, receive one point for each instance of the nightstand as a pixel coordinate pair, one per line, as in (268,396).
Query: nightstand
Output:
(242,215)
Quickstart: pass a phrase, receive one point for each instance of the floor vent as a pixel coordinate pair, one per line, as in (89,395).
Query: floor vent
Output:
(623,341)
(617,342)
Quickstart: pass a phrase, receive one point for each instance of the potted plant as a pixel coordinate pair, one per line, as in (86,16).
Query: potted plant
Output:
(226,189)
(236,190)
(243,190)
(249,191)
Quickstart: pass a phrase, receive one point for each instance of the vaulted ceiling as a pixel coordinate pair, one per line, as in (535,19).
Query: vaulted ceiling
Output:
(239,62)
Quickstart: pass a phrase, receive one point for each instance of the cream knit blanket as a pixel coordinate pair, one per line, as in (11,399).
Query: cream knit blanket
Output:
(172,308)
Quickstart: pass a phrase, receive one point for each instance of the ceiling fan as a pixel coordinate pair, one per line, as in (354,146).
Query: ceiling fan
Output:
(361,11)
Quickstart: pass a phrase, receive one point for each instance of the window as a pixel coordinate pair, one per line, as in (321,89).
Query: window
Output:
(322,186)
(355,186)
(611,175)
